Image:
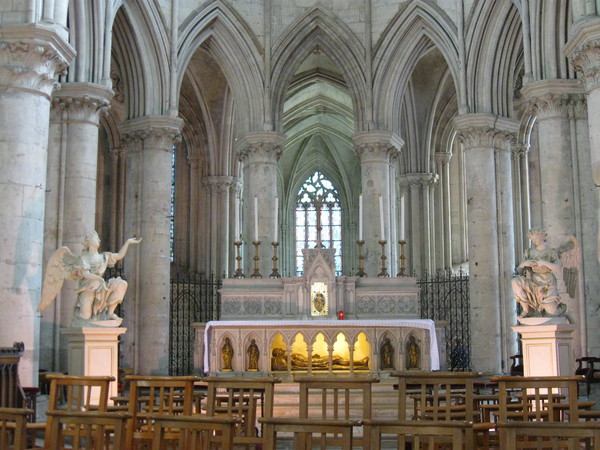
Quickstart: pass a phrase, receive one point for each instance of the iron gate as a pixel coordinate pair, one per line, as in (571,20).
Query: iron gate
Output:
(194,298)
(445,296)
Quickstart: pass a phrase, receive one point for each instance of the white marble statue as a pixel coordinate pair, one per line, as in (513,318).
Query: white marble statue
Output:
(535,286)
(96,298)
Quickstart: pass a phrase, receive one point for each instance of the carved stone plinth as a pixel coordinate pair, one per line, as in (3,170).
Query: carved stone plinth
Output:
(547,349)
(94,351)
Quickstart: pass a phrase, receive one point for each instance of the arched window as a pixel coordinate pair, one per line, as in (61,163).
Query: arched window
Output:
(318,190)
(172,218)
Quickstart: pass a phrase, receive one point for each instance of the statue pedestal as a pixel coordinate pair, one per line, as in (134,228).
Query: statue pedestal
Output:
(94,351)
(547,349)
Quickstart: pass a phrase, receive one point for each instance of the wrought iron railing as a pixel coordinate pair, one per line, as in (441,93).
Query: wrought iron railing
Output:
(194,298)
(445,297)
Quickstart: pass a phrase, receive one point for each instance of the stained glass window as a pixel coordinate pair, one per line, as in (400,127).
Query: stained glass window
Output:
(318,190)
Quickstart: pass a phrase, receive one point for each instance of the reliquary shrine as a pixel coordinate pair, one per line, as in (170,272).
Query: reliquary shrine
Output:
(319,322)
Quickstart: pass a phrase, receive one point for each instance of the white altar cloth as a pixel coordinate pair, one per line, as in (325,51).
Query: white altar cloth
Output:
(427,324)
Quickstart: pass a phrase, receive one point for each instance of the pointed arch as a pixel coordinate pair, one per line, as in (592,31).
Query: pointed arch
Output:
(496,45)
(141,46)
(318,28)
(220,31)
(416,30)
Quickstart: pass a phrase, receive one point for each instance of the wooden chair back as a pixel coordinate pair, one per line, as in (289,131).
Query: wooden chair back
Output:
(245,398)
(437,396)
(11,392)
(75,394)
(550,399)
(551,435)
(152,395)
(197,432)
(13,422)
(87,430)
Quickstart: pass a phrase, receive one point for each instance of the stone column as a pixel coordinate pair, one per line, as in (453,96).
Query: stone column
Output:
(195,213)
(418,223)
(30,58)
(486,141)
(445,232)
(520,168)
(259,152)
(149,159)
(70,211)
(219,223)
(377,150)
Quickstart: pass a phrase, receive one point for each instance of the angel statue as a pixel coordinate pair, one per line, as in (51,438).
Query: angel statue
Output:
(536,286)
(96,298)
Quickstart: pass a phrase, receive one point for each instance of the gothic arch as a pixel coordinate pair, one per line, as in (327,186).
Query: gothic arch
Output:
(496,46)
(318,28)
(141,46)
(416,30)
(227,38)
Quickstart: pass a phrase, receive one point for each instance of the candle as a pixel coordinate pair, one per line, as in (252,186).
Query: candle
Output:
(402,217)
(381,217)
(236,219)
(275,223)
(360,215)
(255,218)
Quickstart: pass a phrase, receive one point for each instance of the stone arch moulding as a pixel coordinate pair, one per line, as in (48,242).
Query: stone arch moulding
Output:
(228,39)
(398,51)
(318,28)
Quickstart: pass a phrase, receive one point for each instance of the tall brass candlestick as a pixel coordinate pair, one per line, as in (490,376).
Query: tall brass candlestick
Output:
(384,272)
(402,259)
(238,272)
(256,273)
(275,273)
(361,266)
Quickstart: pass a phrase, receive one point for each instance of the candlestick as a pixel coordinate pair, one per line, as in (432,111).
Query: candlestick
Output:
(402,219)
(236,219)
(381,217)
(402,259)
(255,219)
(256,273)
(360,217)
(275,273)
(384,272)
(276,224)
(361,268)
(238,272)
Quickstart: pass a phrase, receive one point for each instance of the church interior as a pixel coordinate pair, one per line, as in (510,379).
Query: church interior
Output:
(327,162)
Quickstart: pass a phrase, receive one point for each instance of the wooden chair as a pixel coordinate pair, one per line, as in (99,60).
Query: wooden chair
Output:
(197,432)
(443,411)
(13,422)
(74,394)
(333,406)
(550,400)
(152,395)
(591,373)
(247,399)
(87,430)
(547,435)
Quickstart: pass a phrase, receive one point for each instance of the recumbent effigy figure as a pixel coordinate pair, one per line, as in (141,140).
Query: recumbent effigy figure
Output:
(535,286)
(97,299)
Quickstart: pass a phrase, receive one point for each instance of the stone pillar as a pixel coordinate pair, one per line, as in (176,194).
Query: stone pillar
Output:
(520,168)
(30,57)
(149,159)
(195,213)
(486,141)
(259,152)
(377,151)
(418,221)
(220,208)
(444,242)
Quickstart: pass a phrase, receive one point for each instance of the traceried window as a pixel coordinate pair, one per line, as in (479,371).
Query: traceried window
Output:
(318,190)
(172,218)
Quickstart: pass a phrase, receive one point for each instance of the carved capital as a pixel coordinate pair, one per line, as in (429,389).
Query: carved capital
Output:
(118,153)
(260,147)
(377,146)
(443,158)
(194,161)
(476,131)
(153,131)
(417,180)
(31,56)
(80,102)
(583,48)
(554,98)
(519,151)
(219,185)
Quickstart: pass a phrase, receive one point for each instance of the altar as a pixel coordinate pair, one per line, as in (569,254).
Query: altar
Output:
(319,322)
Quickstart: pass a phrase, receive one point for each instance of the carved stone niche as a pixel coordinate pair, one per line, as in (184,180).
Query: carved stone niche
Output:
(320,300)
